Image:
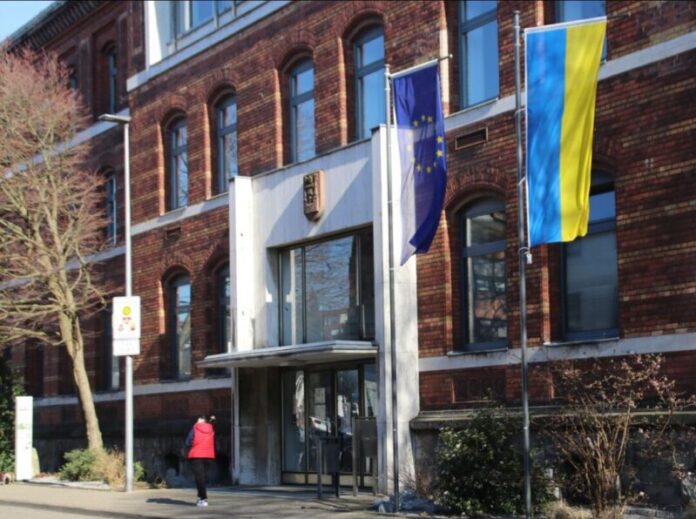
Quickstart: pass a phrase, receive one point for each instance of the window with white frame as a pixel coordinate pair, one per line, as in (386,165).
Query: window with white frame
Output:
(302,111)
(478,51)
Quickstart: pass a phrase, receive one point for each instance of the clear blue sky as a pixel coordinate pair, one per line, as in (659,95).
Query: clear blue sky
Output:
(14,14)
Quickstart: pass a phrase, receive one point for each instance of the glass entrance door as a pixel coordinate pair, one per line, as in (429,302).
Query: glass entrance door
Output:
(320,412)
(318,403)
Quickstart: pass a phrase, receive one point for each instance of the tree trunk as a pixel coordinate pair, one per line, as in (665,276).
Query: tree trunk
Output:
(84,394)
(70,331)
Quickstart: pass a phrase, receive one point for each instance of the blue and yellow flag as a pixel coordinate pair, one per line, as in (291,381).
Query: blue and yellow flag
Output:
(562,64)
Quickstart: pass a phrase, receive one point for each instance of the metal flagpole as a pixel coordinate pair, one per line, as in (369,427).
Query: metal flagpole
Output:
(392,319)
(524,256)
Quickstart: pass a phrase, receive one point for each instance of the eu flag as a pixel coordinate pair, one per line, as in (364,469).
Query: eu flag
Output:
(421,137)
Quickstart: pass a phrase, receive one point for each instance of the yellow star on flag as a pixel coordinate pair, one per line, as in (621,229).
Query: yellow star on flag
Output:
(438,153)
(439,139)
(428,169)
(415,123)
(422,117)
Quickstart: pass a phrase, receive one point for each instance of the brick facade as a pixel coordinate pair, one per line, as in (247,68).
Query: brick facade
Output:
(645,126)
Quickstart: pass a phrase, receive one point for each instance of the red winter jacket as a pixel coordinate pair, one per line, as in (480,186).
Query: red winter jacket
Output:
(202,441)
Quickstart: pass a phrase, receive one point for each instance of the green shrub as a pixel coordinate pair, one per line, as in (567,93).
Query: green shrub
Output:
(80,465)
(480,468)
(90,465)
(9,389)
(6,459)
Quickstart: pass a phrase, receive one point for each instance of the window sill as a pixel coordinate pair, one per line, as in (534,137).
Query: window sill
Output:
(480,104)
(581,342)
(175,380)
(481,351)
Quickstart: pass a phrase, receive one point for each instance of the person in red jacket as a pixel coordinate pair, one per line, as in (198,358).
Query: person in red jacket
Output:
(201,443)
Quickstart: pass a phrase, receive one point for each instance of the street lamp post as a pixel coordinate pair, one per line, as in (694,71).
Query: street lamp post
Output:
(125,121)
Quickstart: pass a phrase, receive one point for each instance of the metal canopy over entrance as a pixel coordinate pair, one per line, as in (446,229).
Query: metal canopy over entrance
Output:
(297,355)
(323,387)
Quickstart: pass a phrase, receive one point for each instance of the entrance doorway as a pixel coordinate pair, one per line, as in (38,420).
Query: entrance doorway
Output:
(321,402)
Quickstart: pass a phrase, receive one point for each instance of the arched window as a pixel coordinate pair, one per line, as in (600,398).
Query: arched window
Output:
(590,274)
(179,325)
(302,111)
(226,141)
(369,77)
(177,164)
(484,316)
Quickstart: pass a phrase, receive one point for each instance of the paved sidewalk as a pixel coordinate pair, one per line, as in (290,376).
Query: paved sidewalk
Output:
(238,502)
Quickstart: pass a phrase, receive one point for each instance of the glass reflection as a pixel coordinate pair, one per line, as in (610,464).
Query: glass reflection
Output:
(328,291)
(293,421)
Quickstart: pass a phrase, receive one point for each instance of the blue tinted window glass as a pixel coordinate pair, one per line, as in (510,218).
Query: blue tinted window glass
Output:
(372,50)
(602,207)
(571,10)
(369,54)
(304,81)
(302,111)
(224,5)
(201,12)
(305,130)
(478,7)
(373,107)
(478,46)
(482,63)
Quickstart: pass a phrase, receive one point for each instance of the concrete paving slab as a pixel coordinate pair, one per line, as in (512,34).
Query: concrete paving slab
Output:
(238,502)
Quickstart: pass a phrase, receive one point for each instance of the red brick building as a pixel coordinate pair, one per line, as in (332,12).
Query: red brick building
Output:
(278,321)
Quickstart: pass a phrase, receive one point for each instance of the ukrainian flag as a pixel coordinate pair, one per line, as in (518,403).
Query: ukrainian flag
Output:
(562,64)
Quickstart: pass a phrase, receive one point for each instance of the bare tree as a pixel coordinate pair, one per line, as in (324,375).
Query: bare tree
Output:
(51,221)
(603,402)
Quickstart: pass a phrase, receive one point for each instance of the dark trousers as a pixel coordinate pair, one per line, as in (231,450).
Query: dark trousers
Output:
(200,468)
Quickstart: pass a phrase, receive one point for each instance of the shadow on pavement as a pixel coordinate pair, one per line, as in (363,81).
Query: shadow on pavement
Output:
(167,501)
